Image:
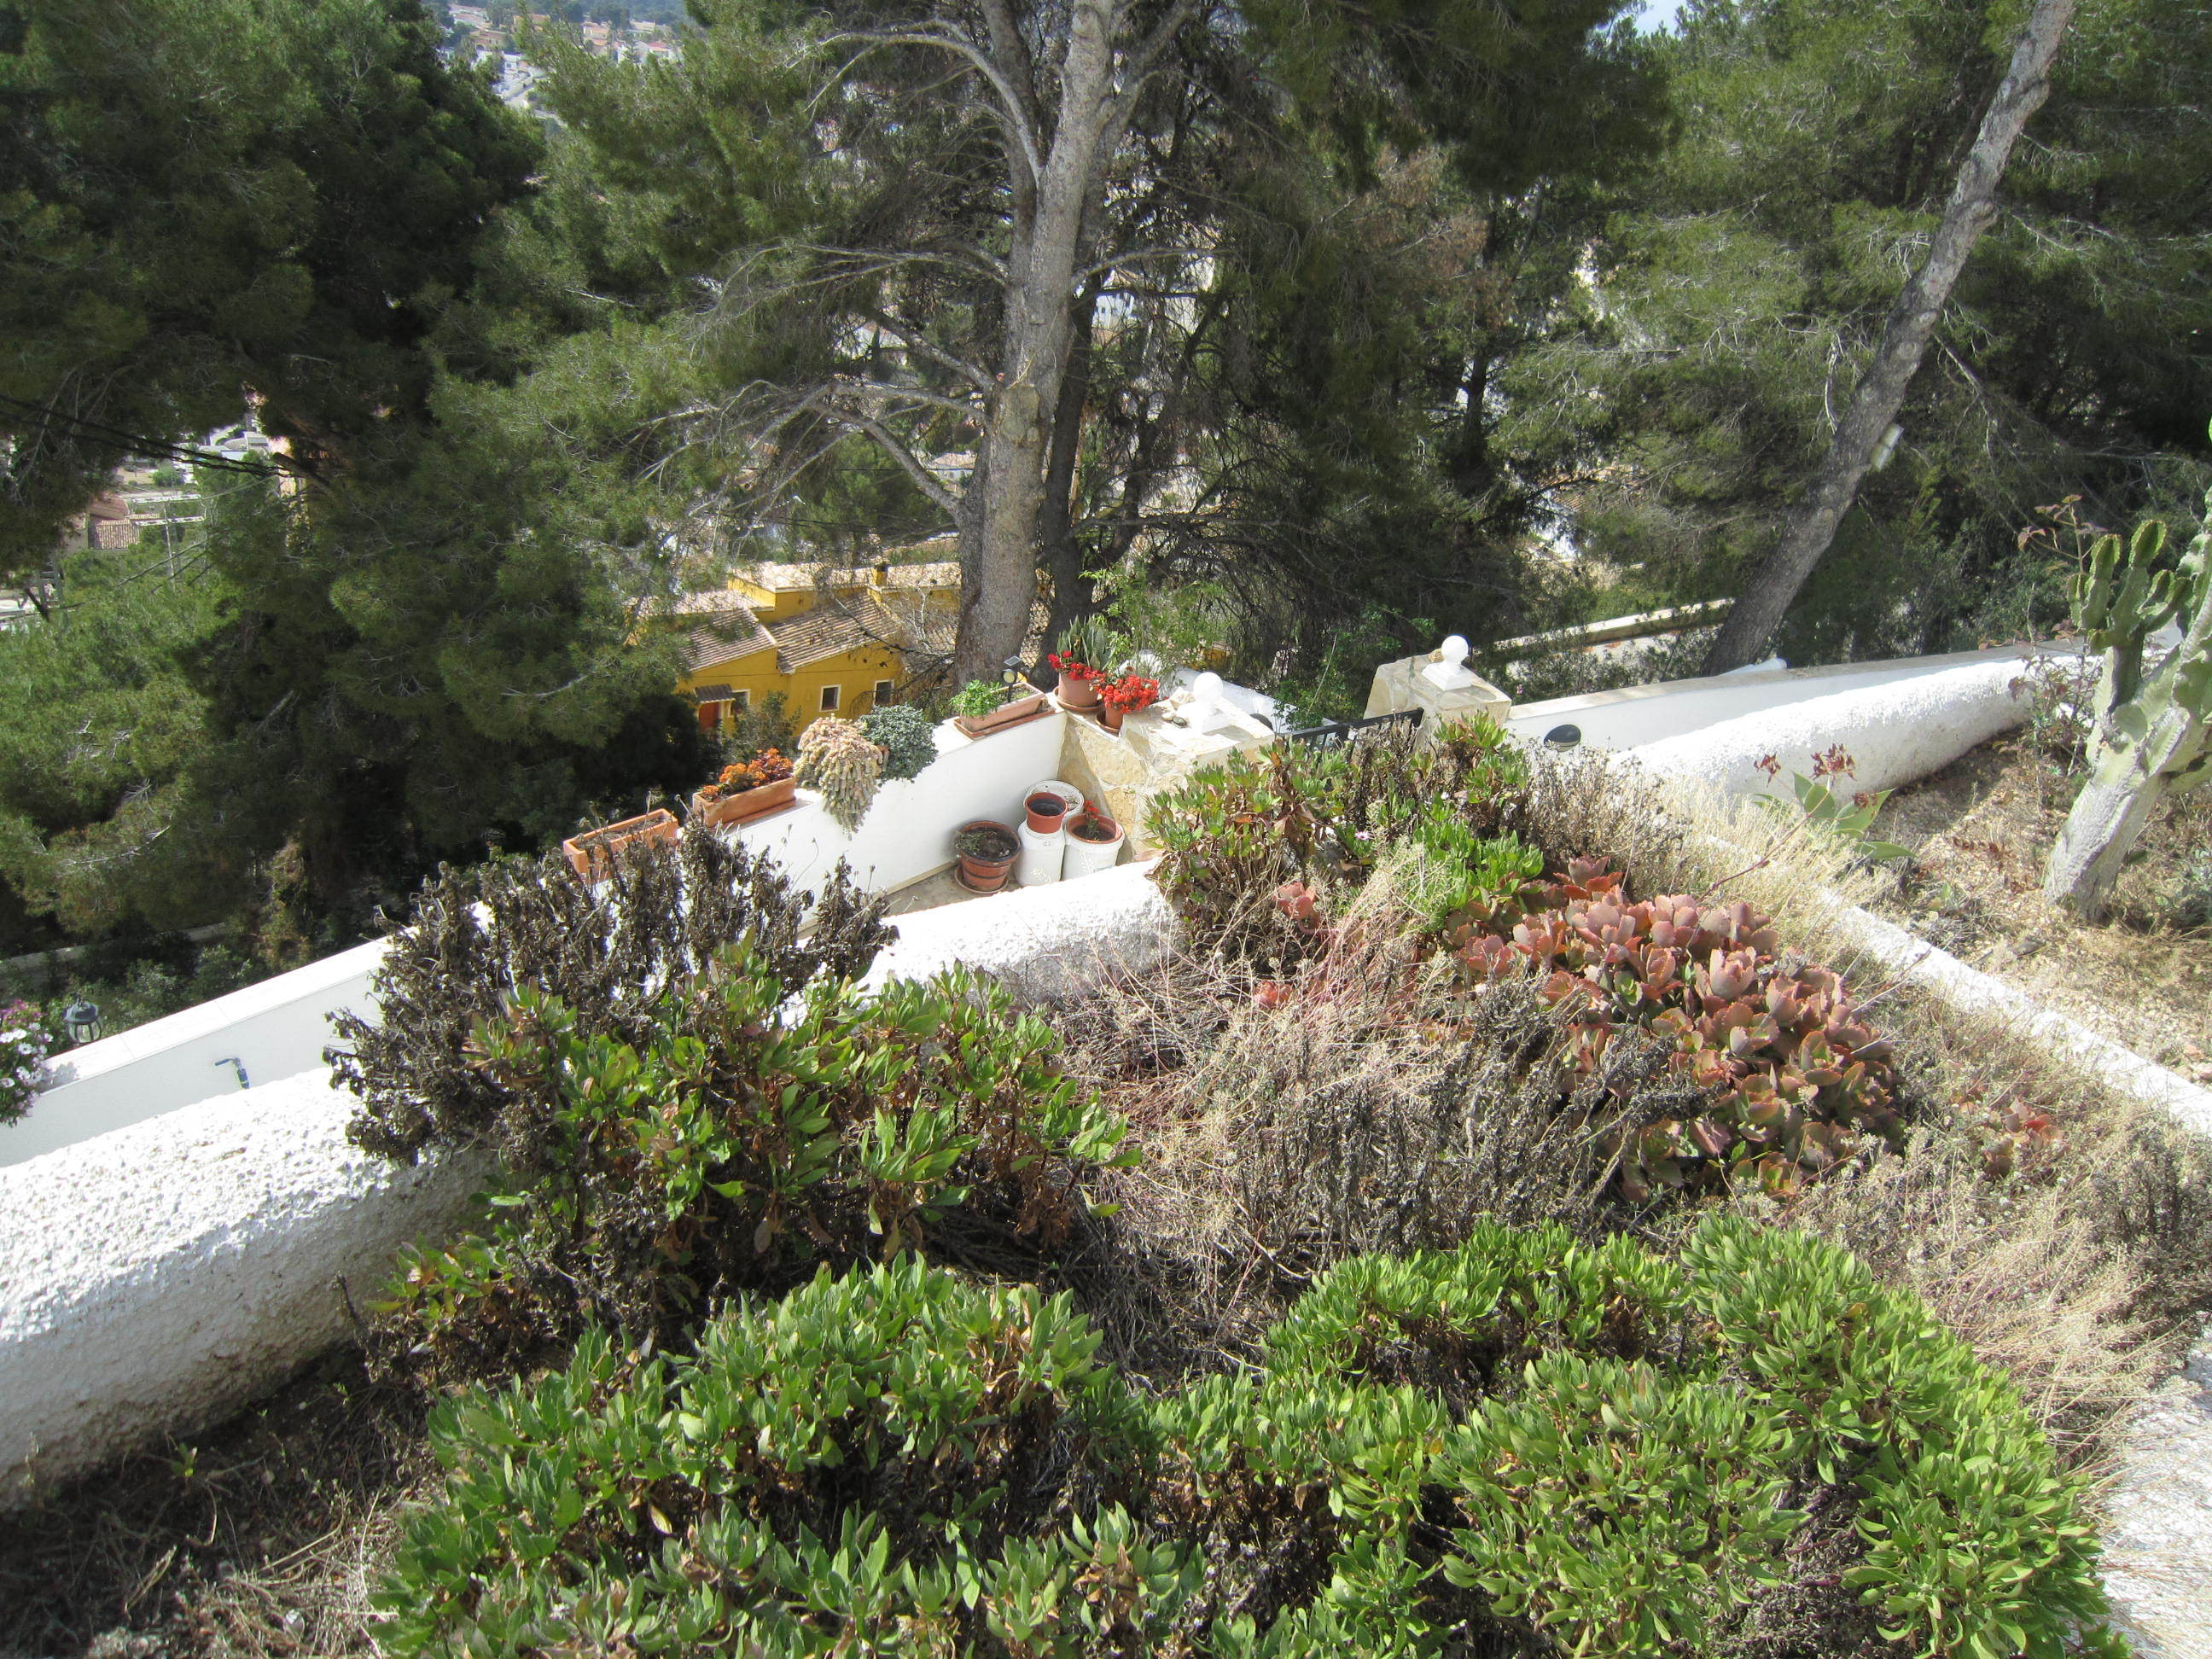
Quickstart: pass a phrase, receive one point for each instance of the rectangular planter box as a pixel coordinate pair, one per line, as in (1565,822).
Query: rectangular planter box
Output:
(590,855)
(1017,713)
(746,806)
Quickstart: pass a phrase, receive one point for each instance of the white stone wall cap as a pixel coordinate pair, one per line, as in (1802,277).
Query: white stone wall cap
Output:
(1048,943)
(1895,733)
(153,1277)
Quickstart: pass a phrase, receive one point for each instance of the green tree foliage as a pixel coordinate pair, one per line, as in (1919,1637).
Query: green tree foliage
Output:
(100,821)
(1258,290)
(210,202)
(1744,284)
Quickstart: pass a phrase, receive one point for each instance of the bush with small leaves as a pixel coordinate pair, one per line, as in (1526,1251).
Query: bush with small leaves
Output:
(835,757)
(904,734)
(745,1137)
(479,935)
(1521,1446)
(1236,832)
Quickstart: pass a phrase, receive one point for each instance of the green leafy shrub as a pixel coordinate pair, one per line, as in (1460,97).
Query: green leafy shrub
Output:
(1518,1446)
(905,736)
(1792,1078)
(744,1139)
(479,935)
(977,698)
(1234,833)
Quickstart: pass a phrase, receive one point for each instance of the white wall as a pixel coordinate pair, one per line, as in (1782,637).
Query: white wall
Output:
(907,833)
(152,1279)
(1895,732)
(1641,715)
(275,1029)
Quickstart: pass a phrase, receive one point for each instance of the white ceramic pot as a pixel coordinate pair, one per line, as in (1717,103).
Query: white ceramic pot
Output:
(1087,858)
(1041,852)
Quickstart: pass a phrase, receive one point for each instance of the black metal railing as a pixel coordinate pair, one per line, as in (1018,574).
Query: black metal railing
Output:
(1335,734)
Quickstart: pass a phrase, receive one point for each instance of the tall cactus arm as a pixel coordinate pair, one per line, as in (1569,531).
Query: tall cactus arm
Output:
(2154,731)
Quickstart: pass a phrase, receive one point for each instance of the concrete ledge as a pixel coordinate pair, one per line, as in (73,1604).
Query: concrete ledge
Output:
(155,1278)
(1896,732)
(1046,943)
(1637,715)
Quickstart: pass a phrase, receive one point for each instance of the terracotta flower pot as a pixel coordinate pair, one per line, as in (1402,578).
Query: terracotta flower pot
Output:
(981,874)
(1013,713)
(1077,696)
(746,805)
(591,854)
(1109,717)
(1046,812)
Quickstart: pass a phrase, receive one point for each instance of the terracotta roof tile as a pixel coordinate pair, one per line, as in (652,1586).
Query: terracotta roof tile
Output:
(730,631)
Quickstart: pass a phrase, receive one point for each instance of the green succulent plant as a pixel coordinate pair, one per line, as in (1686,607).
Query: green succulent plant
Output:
(904,734)
(835,757)
(1443,1452)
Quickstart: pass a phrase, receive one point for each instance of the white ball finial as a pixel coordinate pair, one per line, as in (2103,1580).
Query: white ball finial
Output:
(1448,667)
(1205,690)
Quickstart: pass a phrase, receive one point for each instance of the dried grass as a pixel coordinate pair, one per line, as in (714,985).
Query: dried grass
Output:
(1279,1139)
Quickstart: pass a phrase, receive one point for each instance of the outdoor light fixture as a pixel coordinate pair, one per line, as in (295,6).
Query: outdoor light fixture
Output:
(81,1021)
(1011,674)
(1562,737)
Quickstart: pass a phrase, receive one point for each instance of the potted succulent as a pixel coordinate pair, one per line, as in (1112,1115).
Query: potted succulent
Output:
(987,851)
(835,757)
(1117,698)
(1046,810)
(1094,842)
(747,791)
(1078,691)
(984,708)
(591,854)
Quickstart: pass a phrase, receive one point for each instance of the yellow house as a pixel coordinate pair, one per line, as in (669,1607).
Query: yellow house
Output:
(835,641)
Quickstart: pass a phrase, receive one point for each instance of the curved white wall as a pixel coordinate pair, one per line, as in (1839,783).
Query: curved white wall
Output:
(274,1030)
(152,1278)
(1640,715)
(1896,732)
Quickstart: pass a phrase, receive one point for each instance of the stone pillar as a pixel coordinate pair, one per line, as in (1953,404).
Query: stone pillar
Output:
(1440,685)
(1156,750)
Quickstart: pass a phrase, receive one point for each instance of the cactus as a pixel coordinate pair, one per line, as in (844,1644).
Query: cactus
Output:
(835,757)
(2152,730)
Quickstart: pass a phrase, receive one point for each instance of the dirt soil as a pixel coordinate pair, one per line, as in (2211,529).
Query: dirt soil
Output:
(1981,831)
(260,1535)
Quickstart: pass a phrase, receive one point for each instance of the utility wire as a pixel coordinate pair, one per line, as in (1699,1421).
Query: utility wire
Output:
(142,445)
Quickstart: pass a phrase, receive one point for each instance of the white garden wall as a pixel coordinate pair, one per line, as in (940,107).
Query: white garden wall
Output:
(1640,715)
(1895,732)
(273,1029)
(907,833)
(153,1277)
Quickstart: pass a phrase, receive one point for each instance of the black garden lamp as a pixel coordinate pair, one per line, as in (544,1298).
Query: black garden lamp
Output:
(81,1021)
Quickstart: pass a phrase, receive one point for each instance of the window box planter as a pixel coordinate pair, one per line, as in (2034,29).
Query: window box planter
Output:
(1020,711)
(591,854)
(746,805)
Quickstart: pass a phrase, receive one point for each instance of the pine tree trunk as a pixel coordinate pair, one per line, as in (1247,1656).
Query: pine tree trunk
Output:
(1811,526)
(1040,328)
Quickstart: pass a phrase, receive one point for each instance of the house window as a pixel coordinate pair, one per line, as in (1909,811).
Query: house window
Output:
(741,701)
(882,691)
(829,698)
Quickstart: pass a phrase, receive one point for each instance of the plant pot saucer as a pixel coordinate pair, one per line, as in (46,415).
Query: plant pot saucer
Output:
(960,880)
